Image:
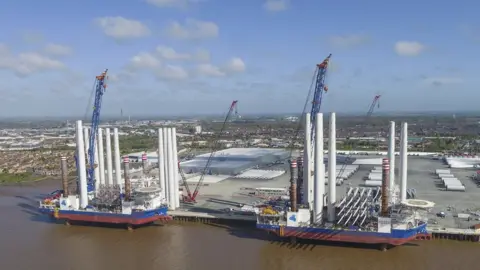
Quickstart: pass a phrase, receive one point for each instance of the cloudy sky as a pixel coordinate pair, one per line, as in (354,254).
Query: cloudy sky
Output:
(169,57)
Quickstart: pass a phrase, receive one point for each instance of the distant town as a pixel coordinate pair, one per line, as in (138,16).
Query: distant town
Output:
(31,150)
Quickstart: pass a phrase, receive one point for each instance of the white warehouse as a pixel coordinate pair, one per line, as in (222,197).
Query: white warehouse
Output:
(234,161)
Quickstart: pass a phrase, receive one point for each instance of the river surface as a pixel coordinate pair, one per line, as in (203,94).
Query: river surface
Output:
(29,241)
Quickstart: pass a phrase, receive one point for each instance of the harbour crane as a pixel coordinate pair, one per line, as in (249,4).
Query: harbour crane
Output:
(100,87)
(191,197)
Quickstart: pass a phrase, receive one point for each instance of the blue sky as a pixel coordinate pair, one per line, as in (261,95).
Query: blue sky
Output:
(169,57)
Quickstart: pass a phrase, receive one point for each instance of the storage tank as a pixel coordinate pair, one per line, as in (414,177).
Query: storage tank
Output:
(445,175)
(445,171)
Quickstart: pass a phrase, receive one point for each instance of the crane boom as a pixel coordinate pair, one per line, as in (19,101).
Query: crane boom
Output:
(320,87)
(375,101)
(215,146)
(100,87)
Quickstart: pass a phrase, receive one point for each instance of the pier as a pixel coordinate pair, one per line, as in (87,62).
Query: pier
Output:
(454,234)
(435,232)
(219,218)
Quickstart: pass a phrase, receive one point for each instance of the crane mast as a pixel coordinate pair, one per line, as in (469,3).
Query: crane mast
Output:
(100,88)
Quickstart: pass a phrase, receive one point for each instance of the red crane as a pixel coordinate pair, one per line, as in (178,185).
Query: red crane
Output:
(376,101)
(191,197)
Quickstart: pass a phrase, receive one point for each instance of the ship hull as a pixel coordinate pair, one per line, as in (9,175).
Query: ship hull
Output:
(136,218)
(395,238)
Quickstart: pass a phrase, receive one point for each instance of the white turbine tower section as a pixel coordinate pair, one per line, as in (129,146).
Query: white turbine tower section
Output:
(82,170)
(403,161)
(391,157)
(166,164)
(118,174)
(175,172)
(332,168)
(101,157)
(171,171)
(86,139)
(307,164)
(161,163)
(108,143)
(319,181)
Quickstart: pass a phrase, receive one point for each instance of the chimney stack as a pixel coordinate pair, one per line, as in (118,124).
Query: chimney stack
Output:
(293,185)
(385,186)
(299,179)
(126,169)
(64,168)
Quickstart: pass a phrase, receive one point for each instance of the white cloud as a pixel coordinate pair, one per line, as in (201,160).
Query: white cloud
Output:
(193,29)
(171,72)
(122,28)
(170,3)
(276,5)
(347,41)
(57,49)
(170,54)
(4,50)
(27,63)
(409,48)
(209,70)
(236,64)
(202,55)
(144,60)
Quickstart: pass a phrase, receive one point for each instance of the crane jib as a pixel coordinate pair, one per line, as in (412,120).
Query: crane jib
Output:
(191,197)
(100,88)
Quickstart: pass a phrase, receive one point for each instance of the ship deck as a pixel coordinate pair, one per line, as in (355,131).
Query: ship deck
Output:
(420,178)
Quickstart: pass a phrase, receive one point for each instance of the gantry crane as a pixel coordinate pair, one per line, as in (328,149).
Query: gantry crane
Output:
(191,197)
(99,88)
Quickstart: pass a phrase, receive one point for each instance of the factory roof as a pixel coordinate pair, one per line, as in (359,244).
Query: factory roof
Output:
(215,163)
(245,152)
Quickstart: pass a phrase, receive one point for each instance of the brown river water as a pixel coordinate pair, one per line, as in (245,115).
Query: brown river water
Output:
(29,241)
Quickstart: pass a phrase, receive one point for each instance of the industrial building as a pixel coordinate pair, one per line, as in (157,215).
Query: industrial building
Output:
(234,161)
